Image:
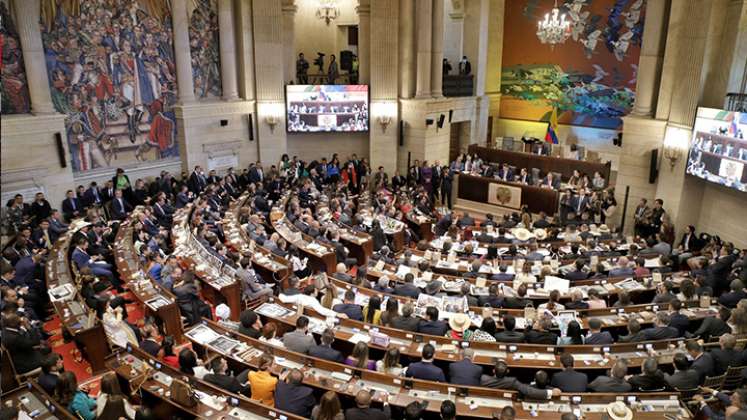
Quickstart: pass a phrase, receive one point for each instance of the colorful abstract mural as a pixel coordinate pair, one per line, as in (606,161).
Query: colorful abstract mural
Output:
(590,78)
(14,90)
(205,49)
(111,71)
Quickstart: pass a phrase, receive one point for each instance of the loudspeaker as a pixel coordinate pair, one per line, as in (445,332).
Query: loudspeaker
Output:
(428,121)
(346,60)
(401,133)
(653,170)
(251,127)
(223,123)
(60,149)
(451,114)
(441,121)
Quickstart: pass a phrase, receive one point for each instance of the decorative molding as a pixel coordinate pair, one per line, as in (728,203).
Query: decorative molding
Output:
(213,149)
(25,175)
(213,109)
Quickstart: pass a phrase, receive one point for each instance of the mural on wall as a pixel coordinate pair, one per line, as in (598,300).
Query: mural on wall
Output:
(205,49)
(111,71)
(14,90)
(590,78)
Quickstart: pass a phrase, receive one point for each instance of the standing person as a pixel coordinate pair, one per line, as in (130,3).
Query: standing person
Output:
(302,70)
(465,68)
(447,176)
(332,70)
(446,67)
(437,175)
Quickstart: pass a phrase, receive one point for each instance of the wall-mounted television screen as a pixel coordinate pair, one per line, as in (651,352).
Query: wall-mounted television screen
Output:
(719,148)
(326,108)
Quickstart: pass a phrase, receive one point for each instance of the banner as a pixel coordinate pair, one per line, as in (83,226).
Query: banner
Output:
(504,195)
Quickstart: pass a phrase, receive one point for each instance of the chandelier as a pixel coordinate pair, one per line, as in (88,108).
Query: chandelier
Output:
(554,29)
(327,10)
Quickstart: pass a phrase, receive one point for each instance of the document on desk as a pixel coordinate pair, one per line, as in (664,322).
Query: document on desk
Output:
(239,414)
(485,402)
(358,337)
(428,395)
(378,386)
(202,334)
(281,361)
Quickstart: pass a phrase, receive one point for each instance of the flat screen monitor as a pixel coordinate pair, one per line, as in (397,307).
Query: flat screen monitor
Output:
(326,108)
(718,152)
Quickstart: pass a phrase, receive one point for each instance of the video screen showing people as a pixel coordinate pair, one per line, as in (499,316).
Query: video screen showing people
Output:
(719,150)
(327,108)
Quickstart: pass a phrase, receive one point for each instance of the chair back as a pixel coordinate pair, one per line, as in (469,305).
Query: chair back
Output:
(535,175)
(715,382)
(687,394)
(733,378)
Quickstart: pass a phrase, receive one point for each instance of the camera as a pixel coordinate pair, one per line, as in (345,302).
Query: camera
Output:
(319,61)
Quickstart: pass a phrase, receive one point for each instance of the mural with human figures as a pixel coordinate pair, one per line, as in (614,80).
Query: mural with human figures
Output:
(204,47)
(590,78)
(111,72)
(14,90)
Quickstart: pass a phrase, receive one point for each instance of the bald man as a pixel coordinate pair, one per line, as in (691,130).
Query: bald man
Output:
(363,411)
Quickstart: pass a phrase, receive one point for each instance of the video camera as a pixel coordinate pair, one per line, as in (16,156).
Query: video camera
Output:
(319,61)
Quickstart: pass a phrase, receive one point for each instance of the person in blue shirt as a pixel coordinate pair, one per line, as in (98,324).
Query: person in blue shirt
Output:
(425,369)
(76,401)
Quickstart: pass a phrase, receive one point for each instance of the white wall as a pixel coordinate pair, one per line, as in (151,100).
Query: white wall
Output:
(308,146)
(723,212)
(313,35)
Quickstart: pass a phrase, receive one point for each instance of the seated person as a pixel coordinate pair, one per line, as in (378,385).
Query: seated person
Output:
(568,380)
(596,335)
(294,397)
(359,357)
(221,379)
(299,340)
(432,325)
(684,376)
(406,321)
(52,366)
(508,335)
(500,380)
(425,369)
(75,400)
(539,333)
(615,382)
(21,341)
(349,308)
(324,349)
(651,378)
(263,383)
(661,329)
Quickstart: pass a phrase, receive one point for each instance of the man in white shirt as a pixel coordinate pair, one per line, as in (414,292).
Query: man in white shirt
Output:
(307,299)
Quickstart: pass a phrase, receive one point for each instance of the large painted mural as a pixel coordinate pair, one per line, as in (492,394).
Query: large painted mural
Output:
(111,71)
(204,48)
(14,92)
(590,78)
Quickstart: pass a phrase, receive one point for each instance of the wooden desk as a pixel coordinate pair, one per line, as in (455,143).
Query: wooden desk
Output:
(320,256)
(31,398)
(154,298)
(215,403)
(421,224)
(359,244)
(75,317)
(476,188)
(545,163)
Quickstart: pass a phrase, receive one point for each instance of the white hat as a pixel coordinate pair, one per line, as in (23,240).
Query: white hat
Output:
(604,229)
(619,411)
(222,311)
(522,234)
(459,322)
(540,234)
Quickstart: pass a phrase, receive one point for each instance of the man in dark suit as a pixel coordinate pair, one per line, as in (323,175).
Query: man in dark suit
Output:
(508,335)
(726,355)
(197,181)
(540,333)
(256,175)
(325,350)
(465,220)
(702,362)
(43,237)
(519,301)
(651,378)
(615,382)
(71,206)
(408,289)
(56,225)
(502,274)
(294,397)
(406,321)
(502,381)
(425,369)
(735,294)
(93,195)
(222,380)
(568,380)
(120,206)
(363,410)
(596,335)
(81,258)
(40,208)
(716,273)
(260,202)
(578,273)
(149,343)
(21,341)
(684,376)
(524,177)
(349,308)
(676,319)
(432,325)
(51,367)
(714,326)
(464,372)
(341,273)
(661,329)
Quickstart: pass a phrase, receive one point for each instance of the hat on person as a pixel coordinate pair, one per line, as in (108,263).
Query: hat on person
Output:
(594,230)
(222,311)
(433,287)
(604,229)
(619,411)
(522,234)
(459,322)
(540,234)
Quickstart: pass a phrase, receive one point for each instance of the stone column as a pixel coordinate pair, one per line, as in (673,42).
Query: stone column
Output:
(437,49)
(289,40)
(454,35)
(407,48)
(727,52)
(652,55)
(383,144)
(27,21)
(364,39)
(245,48)
(227,51)
(423,22)
(186,89)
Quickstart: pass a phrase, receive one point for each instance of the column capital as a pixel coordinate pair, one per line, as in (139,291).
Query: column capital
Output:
(289,7)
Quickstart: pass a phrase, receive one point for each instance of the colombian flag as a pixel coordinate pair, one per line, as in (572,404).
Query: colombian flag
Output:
(551,136)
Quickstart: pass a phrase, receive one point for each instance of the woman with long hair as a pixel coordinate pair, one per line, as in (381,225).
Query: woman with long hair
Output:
(486,332)
(111,402)
(359,357)
(392,311)
(372,311)
(75,400)
(329,408)
(390,364)
(573,335)
(167,352)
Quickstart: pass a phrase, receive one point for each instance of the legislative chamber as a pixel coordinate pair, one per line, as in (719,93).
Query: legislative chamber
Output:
(373,209)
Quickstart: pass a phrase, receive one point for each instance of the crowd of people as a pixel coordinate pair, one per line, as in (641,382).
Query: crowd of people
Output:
(319,198)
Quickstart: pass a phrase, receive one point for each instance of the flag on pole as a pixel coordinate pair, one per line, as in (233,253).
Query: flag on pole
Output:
(551,136)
